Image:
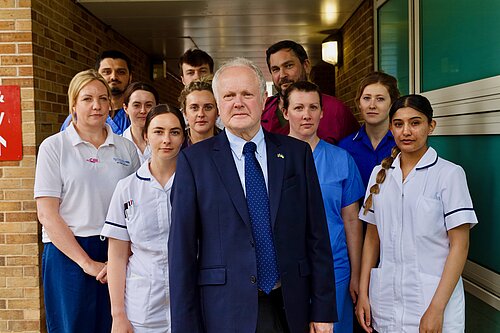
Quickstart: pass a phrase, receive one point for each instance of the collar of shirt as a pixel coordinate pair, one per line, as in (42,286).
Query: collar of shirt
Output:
(144,174)
(429,159)
(76,139)
(236,143)
(362,136)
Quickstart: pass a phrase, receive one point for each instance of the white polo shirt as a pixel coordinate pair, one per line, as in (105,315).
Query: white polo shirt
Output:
(143,157)
(413,218)
(82,177)
(139,212)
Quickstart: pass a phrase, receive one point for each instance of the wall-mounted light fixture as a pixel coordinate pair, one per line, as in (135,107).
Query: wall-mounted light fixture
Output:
(158,69)
(331,48)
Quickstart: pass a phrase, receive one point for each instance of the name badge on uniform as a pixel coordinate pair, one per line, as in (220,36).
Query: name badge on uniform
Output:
(128,209)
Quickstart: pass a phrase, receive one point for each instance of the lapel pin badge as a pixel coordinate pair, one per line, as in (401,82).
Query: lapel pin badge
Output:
(280,155)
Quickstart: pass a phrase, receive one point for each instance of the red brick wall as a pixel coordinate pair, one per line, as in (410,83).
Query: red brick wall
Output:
(19,235)
(42,45)
(358,38)
(66,40)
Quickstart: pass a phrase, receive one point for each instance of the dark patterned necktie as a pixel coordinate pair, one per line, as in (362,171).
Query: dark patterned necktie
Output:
(260,218)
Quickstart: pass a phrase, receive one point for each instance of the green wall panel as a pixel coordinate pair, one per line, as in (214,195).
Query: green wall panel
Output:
(480,158)
(480,317)
(459,41)
(393,56)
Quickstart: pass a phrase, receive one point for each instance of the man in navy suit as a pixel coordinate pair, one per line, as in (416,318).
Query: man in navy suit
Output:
(215,277)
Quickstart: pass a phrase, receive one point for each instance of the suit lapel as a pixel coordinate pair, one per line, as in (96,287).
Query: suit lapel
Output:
(223,159)
(275,167)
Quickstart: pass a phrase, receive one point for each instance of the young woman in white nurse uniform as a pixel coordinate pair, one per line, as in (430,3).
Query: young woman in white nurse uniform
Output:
(419,213)
(138,99)
(137,226)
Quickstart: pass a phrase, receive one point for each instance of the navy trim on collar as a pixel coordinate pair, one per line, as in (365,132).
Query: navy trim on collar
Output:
(142,178)
(429,165)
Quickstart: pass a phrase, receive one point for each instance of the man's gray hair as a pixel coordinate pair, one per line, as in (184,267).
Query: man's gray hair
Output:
(239,62)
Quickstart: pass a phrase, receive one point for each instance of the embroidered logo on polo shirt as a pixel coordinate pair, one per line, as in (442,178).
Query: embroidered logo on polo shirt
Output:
(120,161)
(92,160)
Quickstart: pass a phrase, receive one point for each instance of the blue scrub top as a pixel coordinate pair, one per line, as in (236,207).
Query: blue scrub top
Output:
(361,149)
(341,186)
(118,124)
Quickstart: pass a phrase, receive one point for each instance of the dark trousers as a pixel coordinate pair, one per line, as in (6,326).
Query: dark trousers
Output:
(74,301)
(271,317)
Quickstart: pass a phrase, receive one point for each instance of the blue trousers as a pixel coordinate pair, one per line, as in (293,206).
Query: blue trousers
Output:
(74,301)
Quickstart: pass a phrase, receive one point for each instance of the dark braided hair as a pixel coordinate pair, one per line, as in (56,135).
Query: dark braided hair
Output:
(417,102)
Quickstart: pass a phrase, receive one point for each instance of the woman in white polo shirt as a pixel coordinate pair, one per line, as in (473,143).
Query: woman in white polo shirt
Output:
(138,224)
(76,173)
(419,213)
(138,99)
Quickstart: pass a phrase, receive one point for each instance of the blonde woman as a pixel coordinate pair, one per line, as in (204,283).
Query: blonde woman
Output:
(200,110)
(76,173)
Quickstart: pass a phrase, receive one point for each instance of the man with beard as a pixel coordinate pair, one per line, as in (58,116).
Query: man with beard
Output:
(115,67)
(288,63)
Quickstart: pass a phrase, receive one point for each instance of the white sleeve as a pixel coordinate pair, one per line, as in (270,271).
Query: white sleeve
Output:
(115,225)
(457,203)
(369,217)
(134,156)
(48,179)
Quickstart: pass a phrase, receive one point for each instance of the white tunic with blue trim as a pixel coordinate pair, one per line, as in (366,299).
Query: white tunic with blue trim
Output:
(140,213)
(413,218)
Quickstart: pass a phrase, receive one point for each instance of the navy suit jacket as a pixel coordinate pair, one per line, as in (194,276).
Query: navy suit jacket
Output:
(212,262)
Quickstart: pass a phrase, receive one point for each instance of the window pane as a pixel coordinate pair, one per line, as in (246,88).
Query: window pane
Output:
(393,57)
(459,42)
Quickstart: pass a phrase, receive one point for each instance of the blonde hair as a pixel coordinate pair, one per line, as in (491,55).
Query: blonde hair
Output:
(79,81)
(381,175)
(202,84)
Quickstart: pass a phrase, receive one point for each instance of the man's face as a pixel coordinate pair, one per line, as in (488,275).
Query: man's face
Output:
(116,72)
(191,73)
(240,101)
(286,69)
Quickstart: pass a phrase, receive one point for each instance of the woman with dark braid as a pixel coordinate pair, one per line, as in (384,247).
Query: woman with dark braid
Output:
(419,213)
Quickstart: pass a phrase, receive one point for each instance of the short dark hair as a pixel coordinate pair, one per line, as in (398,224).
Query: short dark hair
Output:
(113,54)
(195,58)
(304,86)
(140,86)
(162,109)
(297,49)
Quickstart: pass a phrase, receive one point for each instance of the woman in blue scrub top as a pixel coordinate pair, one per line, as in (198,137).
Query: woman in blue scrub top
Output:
(138,224)
(341,188)
(373,142)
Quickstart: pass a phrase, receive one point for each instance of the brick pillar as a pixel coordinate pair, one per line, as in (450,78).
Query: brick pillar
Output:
(43,44)
(19,231)
(358,53)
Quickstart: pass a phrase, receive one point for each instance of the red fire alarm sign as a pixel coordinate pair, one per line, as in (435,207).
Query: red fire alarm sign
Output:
(11,136)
